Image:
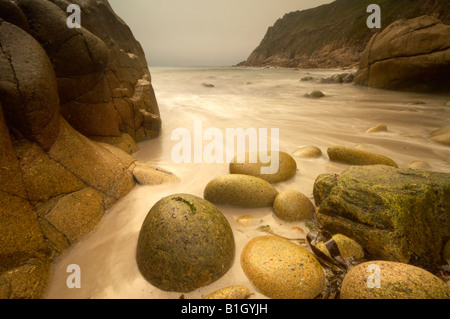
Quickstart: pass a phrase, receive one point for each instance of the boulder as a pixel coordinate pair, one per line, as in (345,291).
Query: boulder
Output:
(292,206)
(148,174)
(353,156)
(240,190)
(184,243)
(281,269)
(396,281)
(409,54)
(394,214)
(287,166)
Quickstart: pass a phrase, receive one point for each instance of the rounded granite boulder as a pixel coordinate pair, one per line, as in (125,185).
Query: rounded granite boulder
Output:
(357,157)
(281,269)
(240,190)
(308,152)
(291,206)
(251,164)
(392,280)
(185,243)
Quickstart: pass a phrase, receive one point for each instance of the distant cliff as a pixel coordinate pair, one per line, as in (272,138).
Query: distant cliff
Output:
(334,35)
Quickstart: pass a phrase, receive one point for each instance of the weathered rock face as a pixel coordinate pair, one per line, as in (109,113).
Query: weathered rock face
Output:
(408,55)
(395,214)
(55,183)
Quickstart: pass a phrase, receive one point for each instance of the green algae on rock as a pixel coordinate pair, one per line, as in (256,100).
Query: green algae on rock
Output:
(240,190)
(395,281)
(287,166)
(291,205)
(281,269)
(357,157)
(395,214)
(185,243)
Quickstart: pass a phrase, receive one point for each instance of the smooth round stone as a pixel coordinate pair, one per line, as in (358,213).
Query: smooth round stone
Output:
(315,94)
(377,128)
(185,243)
(446,253)
(307,152)
(281,269)
(357,157)
(419,165)
(441,135)
(287,166)
(240,190)
(448,103)
(292,206)
(397,281)
(347,247)
(234,292)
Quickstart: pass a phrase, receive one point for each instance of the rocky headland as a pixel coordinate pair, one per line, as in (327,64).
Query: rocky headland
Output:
(73,104)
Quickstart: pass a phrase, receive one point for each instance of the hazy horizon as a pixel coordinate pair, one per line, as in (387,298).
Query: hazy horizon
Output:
(203,32)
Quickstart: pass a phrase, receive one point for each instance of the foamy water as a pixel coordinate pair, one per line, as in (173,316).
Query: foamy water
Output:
(248,98)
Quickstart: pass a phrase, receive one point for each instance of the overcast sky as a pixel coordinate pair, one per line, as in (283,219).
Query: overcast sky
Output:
(203,32)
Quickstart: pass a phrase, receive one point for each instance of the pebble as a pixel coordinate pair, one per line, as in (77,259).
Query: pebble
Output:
(307,152)
(233,292)
(315,94)
(377,128)
(281,269)
(419,165)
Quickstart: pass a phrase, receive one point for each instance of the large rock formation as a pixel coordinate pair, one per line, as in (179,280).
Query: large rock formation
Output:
(333,35)
(408,55)
(396,214)
(59,86)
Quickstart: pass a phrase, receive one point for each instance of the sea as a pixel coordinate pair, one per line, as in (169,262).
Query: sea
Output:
(249,98)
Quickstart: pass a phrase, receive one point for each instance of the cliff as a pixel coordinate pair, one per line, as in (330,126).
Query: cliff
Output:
(333,35)
(73,103)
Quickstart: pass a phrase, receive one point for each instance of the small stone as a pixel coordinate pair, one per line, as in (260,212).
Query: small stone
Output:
(291,206)
(307,78)
(240,190)
(448,103)
(247,221)
(419,165)
(396,281)
(441,135)
(208,85)
(307,152)
(377,128)
(185,243)
(315,94)
(234,292)
(148,174)
(357,157)
(281,269)
(347,247)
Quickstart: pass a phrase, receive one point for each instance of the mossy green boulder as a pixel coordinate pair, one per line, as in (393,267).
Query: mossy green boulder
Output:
(240,190)
(185,243)
(353,156)
(392,280)
(395,214)
(251,164)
